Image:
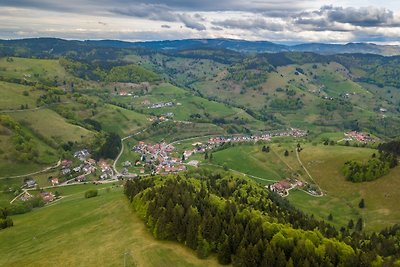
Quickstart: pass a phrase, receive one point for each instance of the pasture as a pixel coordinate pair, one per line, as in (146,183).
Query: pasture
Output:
(100,231)
(342,197)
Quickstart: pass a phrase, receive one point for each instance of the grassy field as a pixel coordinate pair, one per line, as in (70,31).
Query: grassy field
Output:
(9,167)
(101,231)
(52,126)
(12,96)
(342,197)
(249,159)
(32,69)
(121,121)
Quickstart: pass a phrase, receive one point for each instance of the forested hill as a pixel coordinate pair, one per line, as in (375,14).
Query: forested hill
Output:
(218,43)
(246,225)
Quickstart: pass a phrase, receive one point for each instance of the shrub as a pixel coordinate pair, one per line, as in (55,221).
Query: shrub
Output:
(91,193)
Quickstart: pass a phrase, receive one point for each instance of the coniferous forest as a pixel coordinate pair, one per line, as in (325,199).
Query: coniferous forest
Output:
(245,225)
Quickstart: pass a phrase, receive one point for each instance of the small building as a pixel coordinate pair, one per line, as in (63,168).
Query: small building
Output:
(194,163)
(47,197)
(30,183)
(80,178)
(66,171)
(127,164)
(54,181)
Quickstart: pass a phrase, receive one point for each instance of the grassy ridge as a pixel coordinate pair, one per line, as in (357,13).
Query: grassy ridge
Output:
(88,232)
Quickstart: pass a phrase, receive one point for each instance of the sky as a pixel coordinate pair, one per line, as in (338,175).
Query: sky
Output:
(280,21)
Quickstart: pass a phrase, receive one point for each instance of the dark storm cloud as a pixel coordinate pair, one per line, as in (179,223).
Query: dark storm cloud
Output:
(328,18)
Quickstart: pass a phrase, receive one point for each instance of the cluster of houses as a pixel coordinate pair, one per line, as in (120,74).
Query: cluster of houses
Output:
(220,140)
(46,196)
(163,117)
(358,136)
(282,187)
(85,167)
(157,157)
(161,105)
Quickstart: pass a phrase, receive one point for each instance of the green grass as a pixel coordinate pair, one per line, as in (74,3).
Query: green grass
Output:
(52,126)
(12,96)
(9,167)
(88,232)
(32,69)
(249,159)
(121,121)
(381,197)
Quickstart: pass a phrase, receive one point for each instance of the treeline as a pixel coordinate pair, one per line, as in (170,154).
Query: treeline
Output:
(5,221)
(25,149)
(390,147)
(374,168)
(248,226)
(106,145)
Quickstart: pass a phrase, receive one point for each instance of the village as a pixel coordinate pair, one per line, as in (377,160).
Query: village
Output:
(359,137)
(82,169)
(162,158)
(159,158)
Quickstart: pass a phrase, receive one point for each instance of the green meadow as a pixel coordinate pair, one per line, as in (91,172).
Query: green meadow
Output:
(100,231)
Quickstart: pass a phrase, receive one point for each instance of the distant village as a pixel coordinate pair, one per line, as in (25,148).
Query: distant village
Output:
(72,172)
(359,137)
(159,158)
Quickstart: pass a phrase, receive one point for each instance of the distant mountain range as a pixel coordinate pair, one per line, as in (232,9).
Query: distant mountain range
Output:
(257,46)
(242,46)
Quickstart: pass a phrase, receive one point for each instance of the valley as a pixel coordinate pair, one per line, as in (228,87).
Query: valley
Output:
(273,127)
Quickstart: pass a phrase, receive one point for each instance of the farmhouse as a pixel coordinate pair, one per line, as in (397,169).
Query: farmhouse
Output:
(30,183)
(47,197)
(54,181)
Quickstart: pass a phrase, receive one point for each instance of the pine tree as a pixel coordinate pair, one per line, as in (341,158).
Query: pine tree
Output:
(359,225)
(286,153)
(350,225)
(361,205)
(224,252)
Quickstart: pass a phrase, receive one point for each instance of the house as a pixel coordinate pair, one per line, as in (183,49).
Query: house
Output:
(141,171)
(77,169)
(47,197)
(80,178)
(25,197)
(66,171)
(127,164)
(82,154)
(193,163)
(188,153)
(30,183)
(104,176)
(91,162)
(66,163)
(54,181)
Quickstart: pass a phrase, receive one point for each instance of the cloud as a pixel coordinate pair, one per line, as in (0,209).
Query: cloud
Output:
(275,20)
(250,24)
(340,18)
(160,13)
(364,16)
